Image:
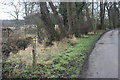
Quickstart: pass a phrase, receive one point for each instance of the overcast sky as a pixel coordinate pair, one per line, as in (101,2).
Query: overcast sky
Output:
(4,9)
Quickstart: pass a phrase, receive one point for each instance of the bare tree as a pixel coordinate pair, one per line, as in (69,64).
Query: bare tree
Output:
(69,17)
(16,13)
(58,19)
(108,7)
(75,26)
(113,14)
(48,25)
(102,14)
(88,14)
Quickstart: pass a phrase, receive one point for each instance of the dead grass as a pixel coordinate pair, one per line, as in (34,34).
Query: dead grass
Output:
(43,54)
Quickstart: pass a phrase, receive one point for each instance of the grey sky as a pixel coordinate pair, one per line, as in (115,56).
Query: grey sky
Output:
(5,8)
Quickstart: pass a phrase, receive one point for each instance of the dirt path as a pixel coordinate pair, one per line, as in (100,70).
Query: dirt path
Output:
(103,61)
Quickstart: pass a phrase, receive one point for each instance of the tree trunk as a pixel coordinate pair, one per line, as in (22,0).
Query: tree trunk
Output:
(75,27)
(26,13)
(93,18)
(102,14)
(69,17)
(17,23)
(58,19)
(115,15)
(49,27)
(88,14)
(110,26)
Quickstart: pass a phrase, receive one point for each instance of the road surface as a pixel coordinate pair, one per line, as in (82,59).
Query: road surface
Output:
(103,61)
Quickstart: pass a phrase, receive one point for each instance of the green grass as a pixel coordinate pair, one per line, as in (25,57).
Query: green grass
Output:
(65,65)
(71,62)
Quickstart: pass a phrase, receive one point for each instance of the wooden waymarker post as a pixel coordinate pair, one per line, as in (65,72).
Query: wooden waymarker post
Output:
(34,50)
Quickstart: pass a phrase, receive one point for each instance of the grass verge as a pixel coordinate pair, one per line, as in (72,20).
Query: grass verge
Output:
(65,65)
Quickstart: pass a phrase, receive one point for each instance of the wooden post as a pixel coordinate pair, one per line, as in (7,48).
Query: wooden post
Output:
(34,51)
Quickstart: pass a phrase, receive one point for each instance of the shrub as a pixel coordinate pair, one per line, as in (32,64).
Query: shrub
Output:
(23,43)
(6,49)
(15,46)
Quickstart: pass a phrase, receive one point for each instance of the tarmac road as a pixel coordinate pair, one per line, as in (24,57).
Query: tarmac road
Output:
(103,61)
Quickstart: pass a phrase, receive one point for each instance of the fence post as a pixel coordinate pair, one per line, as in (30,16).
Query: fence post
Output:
(34,51)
